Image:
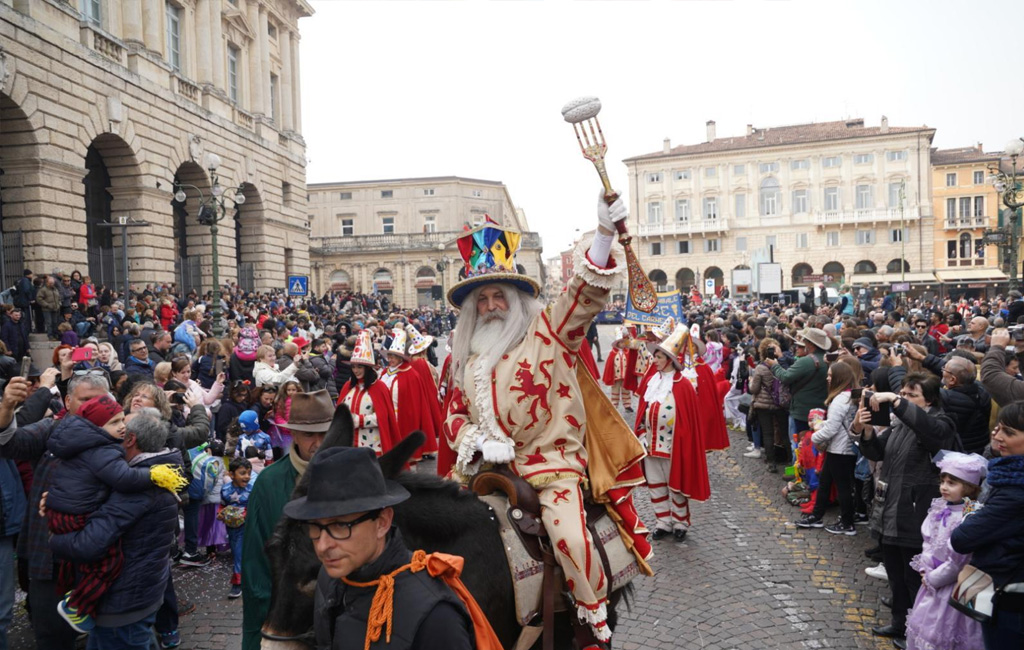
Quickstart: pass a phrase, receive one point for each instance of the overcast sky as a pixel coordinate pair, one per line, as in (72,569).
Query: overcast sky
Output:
(399,89)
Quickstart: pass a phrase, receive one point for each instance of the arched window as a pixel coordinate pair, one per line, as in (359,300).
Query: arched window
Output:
(799,271)
(382,281)
(835,273)
(894,266)
(716,274)
(684,279)
(341,281)
(771,197)
(865,266)
(659,279)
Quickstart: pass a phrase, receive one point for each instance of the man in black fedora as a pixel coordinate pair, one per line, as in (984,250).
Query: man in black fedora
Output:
(348,515)
(308,421)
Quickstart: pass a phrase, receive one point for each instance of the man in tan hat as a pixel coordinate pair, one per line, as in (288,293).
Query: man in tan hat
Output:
(806,378)
(308,420)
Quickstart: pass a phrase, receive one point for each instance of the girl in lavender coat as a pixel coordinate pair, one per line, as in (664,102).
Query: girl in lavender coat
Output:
(933,624)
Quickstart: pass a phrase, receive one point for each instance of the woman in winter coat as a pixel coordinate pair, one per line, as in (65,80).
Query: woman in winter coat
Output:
(833,437)
(773,419)
(995,532)
(907,482)
(87,298)
(265,370)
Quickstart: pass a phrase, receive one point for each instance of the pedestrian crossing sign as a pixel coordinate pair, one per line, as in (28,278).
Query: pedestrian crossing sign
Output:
(298,285)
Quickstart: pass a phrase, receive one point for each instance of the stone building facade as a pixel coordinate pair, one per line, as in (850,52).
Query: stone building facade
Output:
(965,204)
(106,106)
(839,201)
(398,236)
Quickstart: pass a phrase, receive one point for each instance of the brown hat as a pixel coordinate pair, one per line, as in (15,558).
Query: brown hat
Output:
(311,412)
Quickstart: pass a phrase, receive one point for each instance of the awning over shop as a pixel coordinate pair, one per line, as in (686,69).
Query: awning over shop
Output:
(971,275)
(918,277)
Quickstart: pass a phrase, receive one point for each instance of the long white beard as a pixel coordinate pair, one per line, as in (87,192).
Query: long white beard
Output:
(490,340)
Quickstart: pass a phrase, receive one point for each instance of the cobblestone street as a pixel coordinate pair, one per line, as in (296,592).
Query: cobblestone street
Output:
(745,578)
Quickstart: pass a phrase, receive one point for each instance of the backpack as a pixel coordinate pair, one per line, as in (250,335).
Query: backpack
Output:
(205,472)
(780,394)
(248,344)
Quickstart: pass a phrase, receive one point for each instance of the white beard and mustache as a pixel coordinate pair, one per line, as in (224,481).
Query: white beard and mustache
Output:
(491,335)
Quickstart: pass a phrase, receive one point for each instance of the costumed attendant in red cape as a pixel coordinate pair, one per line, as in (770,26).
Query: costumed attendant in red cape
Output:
(408,394)
(615,370)
(418,346)
(712,418)
(373,414)
(676,463)
(656,334)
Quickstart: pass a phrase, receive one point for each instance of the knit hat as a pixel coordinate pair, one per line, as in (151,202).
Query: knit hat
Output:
(248,344)
(864,342)
(249,421)
(100,410)
(970,468)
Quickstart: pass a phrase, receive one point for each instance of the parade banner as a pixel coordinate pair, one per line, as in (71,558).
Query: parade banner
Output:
(670,303)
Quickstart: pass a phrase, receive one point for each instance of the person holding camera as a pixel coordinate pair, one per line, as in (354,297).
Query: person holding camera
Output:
(908,480)
(1003,387)
(769,407)
(806,378)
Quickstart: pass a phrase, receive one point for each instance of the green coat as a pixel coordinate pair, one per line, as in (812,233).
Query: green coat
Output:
(811,387)
(272,490)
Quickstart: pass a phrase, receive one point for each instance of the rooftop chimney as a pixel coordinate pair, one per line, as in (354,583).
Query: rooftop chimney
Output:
(711,130)
(750,130)
(666,145)
(885,124)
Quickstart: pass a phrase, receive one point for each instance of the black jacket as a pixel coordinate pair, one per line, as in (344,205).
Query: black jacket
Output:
(970,407)
(427,614)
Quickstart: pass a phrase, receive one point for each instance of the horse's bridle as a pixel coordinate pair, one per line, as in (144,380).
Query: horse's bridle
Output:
(309,638)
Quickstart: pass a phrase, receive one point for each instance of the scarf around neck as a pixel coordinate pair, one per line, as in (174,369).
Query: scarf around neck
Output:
(297,463)
(1006,471)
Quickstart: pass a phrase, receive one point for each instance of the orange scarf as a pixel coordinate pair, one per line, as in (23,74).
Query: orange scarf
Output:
(448,568)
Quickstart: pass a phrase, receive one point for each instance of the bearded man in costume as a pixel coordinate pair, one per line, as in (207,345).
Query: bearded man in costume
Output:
(518,399)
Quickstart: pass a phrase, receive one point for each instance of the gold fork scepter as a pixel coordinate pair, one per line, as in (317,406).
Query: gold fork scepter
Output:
(582,114)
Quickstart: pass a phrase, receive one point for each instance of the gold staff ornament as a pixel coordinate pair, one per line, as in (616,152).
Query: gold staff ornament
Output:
(582,114)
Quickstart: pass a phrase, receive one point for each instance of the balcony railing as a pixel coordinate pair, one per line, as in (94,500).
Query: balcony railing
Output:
(965,222)
(688,227)
(865,216)
(401,242)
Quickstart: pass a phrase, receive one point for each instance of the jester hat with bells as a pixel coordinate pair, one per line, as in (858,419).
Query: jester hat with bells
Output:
(489,256)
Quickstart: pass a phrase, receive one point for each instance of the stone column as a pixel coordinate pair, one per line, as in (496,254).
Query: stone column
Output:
(264,49)
(204,70)
(285,46)
(131,21)
(217,46)
(152,23)
(296,87)
(256,72)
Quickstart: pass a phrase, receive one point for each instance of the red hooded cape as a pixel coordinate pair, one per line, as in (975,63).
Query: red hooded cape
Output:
(712,419)
(433,403)
(387,424)
(689,473)
(414,412)
(608,378)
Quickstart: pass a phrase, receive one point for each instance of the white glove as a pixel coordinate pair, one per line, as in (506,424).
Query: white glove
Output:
(498,452)
(608,215)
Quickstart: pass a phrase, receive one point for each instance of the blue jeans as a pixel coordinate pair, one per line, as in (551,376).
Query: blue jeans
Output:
(7,573)
(1007,631)
(191,512)
(235,536)
(134,636)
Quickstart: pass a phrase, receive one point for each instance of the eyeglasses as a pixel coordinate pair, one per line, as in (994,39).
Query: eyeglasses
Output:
(93,372)
(339,530)
(134,350)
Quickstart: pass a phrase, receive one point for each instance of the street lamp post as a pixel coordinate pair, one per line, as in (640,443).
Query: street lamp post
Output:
(442,266)
(1013,198)
(211,210)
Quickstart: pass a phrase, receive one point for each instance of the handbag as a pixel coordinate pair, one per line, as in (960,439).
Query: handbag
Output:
(745,400)
(974,594)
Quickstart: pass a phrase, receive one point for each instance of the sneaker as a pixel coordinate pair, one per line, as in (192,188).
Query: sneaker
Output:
(81,623)
(839,529)
(750,447)
(877,572)
(170,639)
(861,519)
(810,521)
(756,453)
(236,591)
(194,559)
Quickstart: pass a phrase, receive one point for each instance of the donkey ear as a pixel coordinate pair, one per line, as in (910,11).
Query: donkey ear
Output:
(340,434)
(392,463)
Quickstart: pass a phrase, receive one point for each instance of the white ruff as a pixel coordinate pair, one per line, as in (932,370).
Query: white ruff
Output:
(487,428)
(607,278)
(659,387)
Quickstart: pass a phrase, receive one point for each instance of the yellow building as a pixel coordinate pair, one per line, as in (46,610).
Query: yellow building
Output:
(965,204)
